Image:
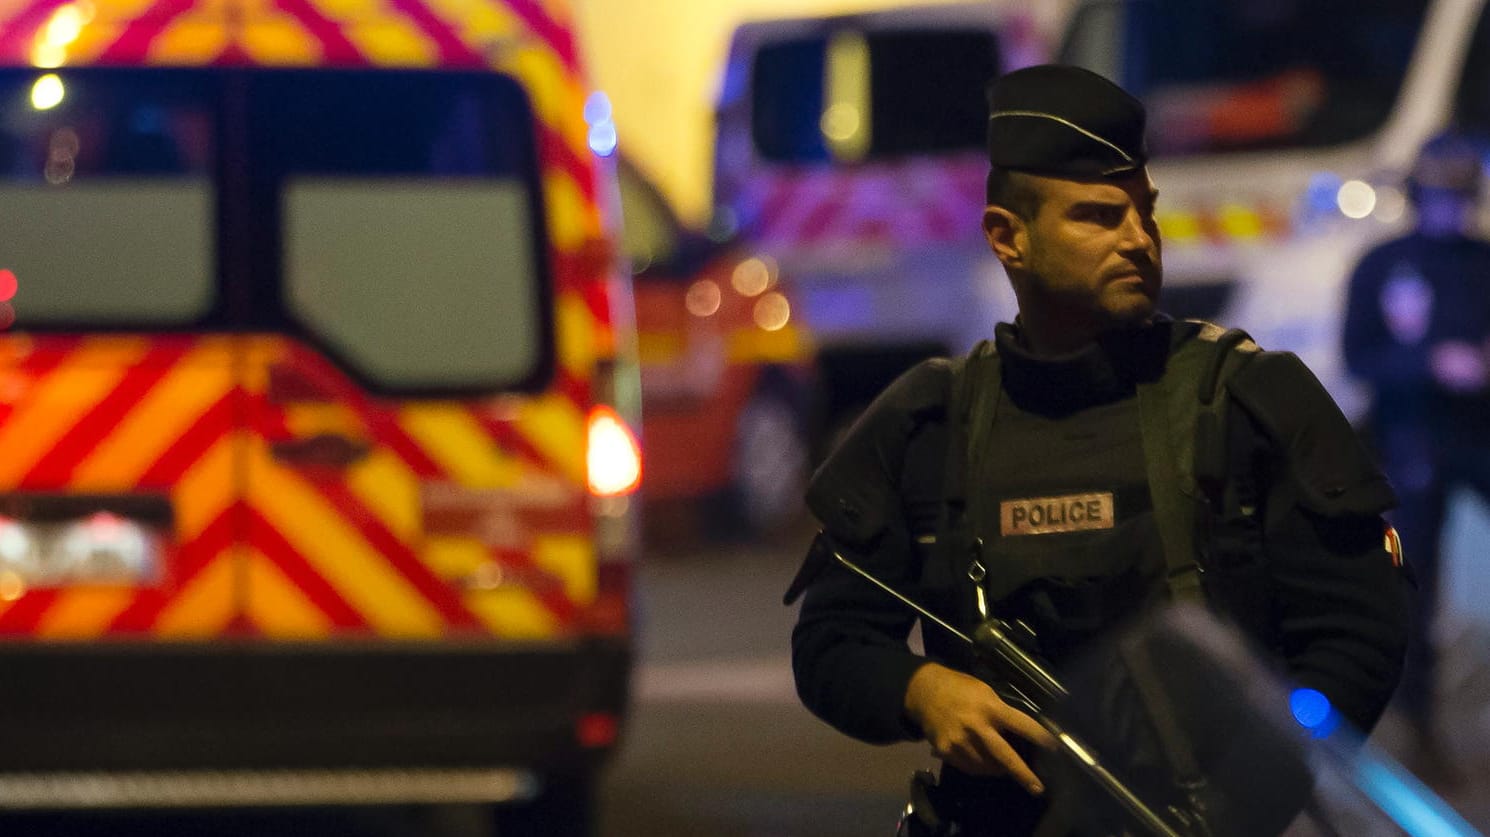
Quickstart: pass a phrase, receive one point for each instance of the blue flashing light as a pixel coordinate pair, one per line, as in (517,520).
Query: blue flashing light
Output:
(1310,708)
(597,108)
(603,138)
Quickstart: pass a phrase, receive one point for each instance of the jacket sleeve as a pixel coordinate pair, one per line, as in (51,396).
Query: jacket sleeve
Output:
(849,651)
(1340,601)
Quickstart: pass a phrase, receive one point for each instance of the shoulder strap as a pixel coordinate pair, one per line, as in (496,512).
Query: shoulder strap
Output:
(1184,441)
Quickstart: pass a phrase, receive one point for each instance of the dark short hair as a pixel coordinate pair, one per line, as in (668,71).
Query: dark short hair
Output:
(1008,189)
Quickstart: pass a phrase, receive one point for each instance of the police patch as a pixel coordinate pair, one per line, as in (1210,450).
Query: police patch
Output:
(1393,545)
(1048,515)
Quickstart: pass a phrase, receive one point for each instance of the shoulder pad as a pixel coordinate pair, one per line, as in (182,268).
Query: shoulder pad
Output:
(853,492)
(1335,473)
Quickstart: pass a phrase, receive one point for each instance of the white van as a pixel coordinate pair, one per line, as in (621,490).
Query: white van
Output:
(852,150)
(1280,134)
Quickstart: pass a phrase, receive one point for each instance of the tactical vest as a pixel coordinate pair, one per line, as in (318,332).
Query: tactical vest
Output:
(1198,456)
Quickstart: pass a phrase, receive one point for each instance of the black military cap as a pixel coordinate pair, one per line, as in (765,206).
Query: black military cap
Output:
(1064,121)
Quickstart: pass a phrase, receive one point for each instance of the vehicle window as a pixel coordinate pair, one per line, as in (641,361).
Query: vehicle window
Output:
(107,203)
(410,224)
(1472,104)
(925,94)
(1239,75)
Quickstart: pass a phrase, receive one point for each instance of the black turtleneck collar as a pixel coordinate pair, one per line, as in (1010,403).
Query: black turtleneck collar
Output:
(1098,373)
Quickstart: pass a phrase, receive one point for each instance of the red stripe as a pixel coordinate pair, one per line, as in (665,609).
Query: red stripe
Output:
(214,423)
(189,560)
(559,37)
(398,555)
(54,470)
(544,585)
(17,36)
(35,367)
(25,614)
(273,545)
(335,47)
(133,44)
(554,149)
(453,51)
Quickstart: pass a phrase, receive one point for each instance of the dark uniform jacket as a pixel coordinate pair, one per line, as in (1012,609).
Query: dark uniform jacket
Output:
(1335,603)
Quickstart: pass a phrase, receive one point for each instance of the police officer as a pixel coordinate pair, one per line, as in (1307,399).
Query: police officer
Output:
(1417,328)
(1062,459)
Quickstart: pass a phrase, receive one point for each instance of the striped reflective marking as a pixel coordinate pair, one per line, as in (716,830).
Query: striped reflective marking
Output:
(453,438)
(389,490)
(207,487)
(572,559)
(554,425)
(59,400)
(86,431)
(269,543)
(205,605)
(278,606)
(576,335)
(514,613)
(159,420)
(334,547)
(83,613)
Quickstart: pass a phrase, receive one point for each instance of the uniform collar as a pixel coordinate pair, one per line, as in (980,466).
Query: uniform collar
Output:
(1099,373)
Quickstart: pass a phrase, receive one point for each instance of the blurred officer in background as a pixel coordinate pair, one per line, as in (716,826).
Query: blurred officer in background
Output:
(1417,327)
(1059,469)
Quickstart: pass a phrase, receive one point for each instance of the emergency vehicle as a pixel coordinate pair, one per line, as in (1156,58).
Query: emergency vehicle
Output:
(852,150)
(315,410)
(1280,136)
(726,373)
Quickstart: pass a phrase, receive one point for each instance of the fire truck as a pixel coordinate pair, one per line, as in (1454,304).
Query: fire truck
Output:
(317,388)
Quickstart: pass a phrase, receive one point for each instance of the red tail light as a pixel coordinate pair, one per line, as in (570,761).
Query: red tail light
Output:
(614,459)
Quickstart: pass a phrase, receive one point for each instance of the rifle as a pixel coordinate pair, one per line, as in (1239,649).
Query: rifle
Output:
(1035,690)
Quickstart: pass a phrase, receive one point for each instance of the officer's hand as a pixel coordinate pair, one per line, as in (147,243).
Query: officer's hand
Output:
(965,722)
(1459,366)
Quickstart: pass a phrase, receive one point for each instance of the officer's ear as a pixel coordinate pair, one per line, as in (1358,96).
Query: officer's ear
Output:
(1007,234)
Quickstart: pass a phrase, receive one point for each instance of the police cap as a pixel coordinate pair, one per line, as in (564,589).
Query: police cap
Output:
(1064,121)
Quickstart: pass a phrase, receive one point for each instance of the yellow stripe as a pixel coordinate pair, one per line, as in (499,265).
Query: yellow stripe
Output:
(756,345)
(59,400)
(153,425)
(572,559)
(455,557)
(513,613)
(571,219)
(206,488)
(205,607)
(393,41)
(83,613)
(452,438)
(280,40)
(189,39)
(276,605)
(339,554)
(557,429)
(576,336)
(391,491)
(478,21)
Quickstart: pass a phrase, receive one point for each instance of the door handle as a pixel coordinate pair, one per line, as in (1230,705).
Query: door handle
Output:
(327,450)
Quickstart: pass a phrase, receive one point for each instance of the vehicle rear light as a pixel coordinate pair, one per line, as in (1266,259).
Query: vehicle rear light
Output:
(597,729)
(102,548)
(613,457)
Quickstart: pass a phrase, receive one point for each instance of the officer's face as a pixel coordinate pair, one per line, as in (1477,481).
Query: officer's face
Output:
(1090,255)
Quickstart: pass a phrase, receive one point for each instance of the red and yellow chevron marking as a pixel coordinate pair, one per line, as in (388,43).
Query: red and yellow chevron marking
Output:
(273,549)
